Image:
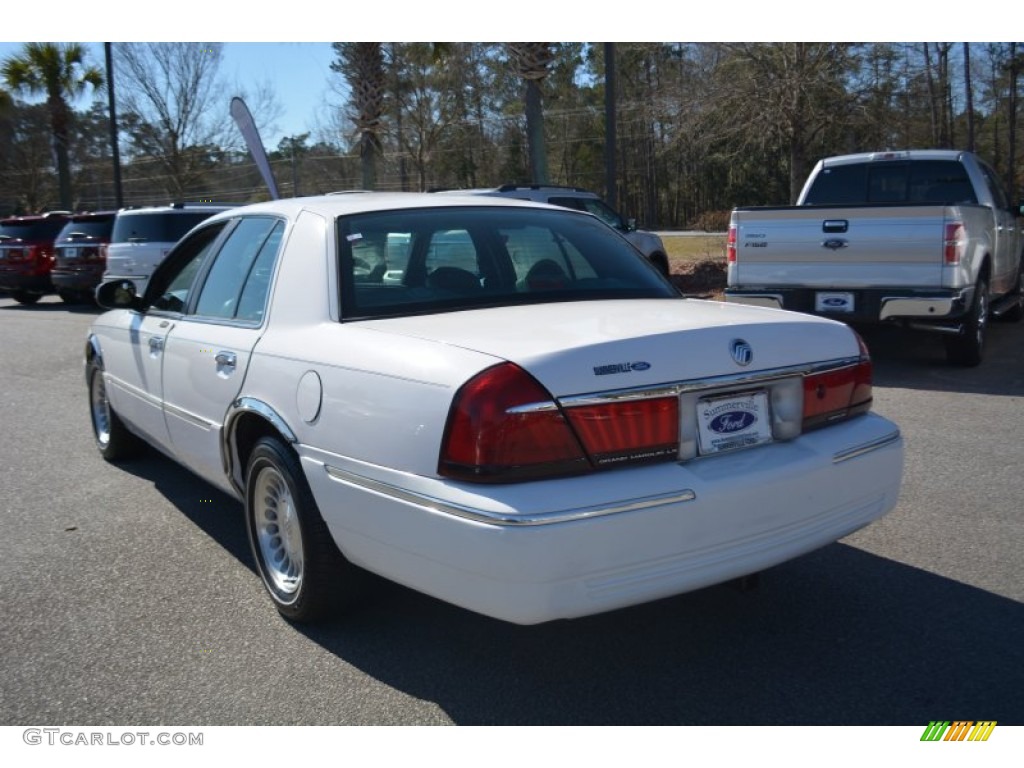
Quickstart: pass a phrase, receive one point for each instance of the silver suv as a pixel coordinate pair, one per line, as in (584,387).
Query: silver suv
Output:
(648,243)
(142,237)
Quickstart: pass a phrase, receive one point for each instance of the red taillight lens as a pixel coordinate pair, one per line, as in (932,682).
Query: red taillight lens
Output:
(504,426)
(838,394)
(954,243)
(639,430)
(730,245)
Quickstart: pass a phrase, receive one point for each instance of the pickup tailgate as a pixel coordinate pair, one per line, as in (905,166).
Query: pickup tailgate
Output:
(821,247)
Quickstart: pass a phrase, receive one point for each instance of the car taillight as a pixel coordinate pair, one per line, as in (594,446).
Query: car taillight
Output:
(954,243)
(631,431)
(730,245)
(504,426)
(838,394)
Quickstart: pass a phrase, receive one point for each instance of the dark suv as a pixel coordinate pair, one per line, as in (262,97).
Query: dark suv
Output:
(81,255)
(26,254)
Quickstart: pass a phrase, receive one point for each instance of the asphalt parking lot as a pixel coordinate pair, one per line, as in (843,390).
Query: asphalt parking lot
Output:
(130,596)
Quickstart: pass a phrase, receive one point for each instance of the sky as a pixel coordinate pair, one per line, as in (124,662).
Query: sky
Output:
(298,73)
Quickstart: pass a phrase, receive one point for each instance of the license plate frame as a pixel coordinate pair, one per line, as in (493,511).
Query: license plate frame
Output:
(733,422)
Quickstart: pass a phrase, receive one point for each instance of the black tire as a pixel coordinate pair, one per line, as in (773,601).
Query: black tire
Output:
(967,347)
(24,297)
(660,260)
(69,297)
(113,440)
(1014,314)
(302,570)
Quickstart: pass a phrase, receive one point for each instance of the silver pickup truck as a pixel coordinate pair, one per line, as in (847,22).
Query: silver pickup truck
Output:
(925,238)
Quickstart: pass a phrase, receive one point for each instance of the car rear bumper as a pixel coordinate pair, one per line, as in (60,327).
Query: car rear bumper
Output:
(870,305)
(534,552)
(11,280)
(76,279)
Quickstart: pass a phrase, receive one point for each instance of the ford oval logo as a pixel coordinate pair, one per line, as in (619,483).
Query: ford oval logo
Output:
(834,244)
(731,421)
(834,302)
(741,352)
(640,366)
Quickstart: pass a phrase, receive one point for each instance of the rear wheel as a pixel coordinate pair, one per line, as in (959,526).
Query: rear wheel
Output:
(113,439)
(301,568)
(1015,314)
(69,297)
(24,297)
(967,347)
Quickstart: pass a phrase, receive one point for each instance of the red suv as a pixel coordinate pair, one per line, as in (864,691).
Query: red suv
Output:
(26,254)
(81,255)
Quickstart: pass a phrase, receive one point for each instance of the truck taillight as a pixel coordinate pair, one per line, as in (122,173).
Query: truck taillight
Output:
(954,243)
(730,245)
(505,426)
(838,394)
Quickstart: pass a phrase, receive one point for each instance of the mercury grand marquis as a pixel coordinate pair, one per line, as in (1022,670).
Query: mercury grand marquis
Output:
(498,403)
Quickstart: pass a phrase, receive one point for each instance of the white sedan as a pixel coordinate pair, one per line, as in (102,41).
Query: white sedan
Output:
(495,402)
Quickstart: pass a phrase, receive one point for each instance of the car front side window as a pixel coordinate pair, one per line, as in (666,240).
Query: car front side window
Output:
(172,283)
(237,283)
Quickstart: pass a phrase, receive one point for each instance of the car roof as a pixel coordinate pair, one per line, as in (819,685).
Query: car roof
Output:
(347,203)
(908,154)
(176,208)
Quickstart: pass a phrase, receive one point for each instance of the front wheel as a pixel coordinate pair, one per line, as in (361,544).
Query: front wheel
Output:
(301,568)
(113,439)
(968,346)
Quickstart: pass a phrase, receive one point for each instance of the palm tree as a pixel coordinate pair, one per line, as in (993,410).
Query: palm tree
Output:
(531,62)
(362,65)
(58,71)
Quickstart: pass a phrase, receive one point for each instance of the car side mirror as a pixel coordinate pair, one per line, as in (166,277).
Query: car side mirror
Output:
(118,294)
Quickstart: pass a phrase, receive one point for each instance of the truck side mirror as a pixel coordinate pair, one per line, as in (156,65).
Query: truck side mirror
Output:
(631,225)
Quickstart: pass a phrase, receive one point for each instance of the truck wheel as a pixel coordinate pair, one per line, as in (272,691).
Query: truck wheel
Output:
(966,347)
(660,260)
(1015,314)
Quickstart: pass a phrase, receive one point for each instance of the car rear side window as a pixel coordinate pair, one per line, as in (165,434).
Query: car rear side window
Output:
(93,228)
(33,229)
(445,259)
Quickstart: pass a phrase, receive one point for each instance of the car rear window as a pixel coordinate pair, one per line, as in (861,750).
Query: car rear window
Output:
(925,182)
(156,227)
(90,228)
(445,259)
(33,229)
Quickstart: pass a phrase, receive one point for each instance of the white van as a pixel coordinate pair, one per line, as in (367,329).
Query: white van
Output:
(142,237)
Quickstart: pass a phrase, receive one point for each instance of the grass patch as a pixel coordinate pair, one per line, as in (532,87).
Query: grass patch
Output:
(684,251)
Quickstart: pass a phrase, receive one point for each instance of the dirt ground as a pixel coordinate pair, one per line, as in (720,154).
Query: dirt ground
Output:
(704,278)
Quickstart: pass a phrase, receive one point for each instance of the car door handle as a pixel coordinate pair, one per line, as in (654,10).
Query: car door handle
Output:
(156,343)
(226,359)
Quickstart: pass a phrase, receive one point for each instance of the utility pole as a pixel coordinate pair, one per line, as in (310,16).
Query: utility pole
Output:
(609,125)
(115,151)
